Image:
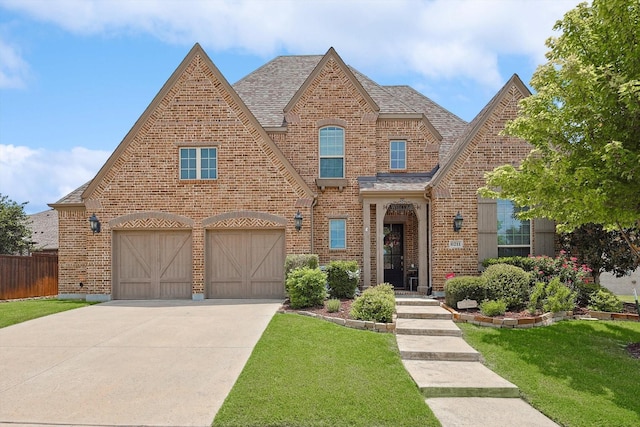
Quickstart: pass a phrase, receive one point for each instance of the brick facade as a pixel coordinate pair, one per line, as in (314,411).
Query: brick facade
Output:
(268,173)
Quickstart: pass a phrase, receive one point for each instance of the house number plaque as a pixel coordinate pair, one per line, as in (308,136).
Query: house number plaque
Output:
(456,244)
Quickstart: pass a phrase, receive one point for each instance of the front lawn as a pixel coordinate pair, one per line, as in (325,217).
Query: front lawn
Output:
(578,373)
(13,312)
(309,372)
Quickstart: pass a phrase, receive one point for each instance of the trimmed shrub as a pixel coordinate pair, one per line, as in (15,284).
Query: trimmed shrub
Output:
(342,278)
(508,283)
(585,290)
(559,297)
(332,305)
(525,263)
(605,300)
(553,296)
(493,308)
(294,261)
(464,287)
(306,287)
(376,304)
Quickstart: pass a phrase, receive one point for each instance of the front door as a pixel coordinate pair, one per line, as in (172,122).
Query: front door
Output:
(394,254)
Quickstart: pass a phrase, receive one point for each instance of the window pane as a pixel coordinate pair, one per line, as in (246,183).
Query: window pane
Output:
(331,168)
(188,163)
(331,141)
(398,155)
(337,234)
(511,230)
(208,163)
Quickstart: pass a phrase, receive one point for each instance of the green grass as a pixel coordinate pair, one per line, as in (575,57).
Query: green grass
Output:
(309,372)
(578,373)
(20,311)
(627,298)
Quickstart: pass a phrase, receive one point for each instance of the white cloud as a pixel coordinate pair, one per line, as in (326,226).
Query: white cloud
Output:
(44,176)
(439,39)
(13,69)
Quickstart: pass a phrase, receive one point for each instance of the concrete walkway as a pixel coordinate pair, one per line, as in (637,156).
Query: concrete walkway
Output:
(459,389)
(151,363)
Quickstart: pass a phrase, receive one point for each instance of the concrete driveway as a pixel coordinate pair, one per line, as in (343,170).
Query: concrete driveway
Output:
(151,363)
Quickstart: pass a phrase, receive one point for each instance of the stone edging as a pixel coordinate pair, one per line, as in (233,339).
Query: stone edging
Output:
(545,319)
(350,323)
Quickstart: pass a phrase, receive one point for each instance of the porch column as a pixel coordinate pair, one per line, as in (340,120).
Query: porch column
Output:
(380,213)
(423,242)
(366,244)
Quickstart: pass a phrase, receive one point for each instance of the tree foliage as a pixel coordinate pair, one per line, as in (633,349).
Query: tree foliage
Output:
(583,123)
(602,250)
(15,236)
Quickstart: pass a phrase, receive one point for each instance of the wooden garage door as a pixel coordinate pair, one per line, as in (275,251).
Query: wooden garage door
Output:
(245,264)
(152,265)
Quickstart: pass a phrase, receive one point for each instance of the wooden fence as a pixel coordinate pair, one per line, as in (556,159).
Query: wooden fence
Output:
(28,276)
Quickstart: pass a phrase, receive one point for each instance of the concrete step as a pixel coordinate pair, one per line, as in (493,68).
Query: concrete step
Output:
(437,327)
(422,312)
(400,300)
(458,379)
(486,411)
(425,347)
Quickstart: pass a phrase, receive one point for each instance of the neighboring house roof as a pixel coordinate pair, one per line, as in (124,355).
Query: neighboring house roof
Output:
(44,230)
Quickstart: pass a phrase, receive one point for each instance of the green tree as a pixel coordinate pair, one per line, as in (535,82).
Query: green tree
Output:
(15,236)
(583,123)
(602,250)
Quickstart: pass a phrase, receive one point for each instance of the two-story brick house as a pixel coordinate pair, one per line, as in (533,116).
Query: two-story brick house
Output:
(199,200)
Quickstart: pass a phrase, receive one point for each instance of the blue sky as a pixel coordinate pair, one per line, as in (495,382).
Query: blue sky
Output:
(75,75)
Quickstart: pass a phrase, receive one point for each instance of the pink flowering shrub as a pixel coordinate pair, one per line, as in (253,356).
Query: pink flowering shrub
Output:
(565,268)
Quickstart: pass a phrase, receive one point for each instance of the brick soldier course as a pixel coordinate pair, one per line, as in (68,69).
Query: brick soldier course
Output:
(167,237)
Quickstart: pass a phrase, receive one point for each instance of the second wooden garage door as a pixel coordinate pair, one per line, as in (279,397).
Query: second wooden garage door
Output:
(152,265)
(245,264)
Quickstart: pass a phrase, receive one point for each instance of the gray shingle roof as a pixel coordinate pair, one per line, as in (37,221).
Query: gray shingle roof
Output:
(75,196)
(44,229)
(267,90)
(395,182)
(448,124)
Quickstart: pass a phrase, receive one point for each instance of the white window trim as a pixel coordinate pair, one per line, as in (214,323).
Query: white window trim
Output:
(345,234)
(405,155)
(198,149)
(343,157)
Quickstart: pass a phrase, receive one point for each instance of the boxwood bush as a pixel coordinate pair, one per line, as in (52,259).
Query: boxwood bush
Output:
(306,287)
(525,263)
(342,278)
(508,283)
(376,304)
(493,308)
(605,300)
(294,261)
(464,287)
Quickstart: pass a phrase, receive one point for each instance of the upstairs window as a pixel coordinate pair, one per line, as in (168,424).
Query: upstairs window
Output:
(331,152)
(398,153)
(199,163)
(514,235)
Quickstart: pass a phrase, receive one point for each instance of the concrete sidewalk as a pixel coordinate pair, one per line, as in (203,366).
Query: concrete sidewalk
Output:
(152,363)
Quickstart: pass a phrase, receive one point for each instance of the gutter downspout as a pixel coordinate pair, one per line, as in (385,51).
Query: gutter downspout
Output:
(313,205)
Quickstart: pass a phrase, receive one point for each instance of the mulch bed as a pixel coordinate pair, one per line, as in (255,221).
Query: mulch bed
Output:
(634,350)
(343,313)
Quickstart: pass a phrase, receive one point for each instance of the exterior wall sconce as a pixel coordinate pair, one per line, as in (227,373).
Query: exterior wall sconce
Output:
(457,222)
(94,223)
(298,220)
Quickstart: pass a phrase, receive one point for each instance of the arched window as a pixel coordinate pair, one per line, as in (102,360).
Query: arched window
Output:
(331,152)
